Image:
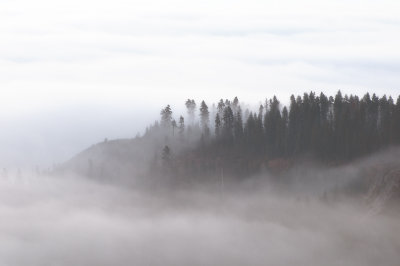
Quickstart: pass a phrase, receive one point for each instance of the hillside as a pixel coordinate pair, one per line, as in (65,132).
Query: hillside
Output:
(325,134)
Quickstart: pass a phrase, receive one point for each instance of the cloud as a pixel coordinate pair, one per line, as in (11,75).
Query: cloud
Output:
(128,53)
(60,221)
(180,45)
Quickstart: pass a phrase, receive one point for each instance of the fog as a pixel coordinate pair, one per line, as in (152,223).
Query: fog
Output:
(76,221)
(44,138)
(54,56)
(80,79)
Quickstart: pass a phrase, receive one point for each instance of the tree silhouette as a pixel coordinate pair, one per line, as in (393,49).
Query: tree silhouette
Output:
(166,117)
(333,129)
(217,125)
(191,109)
(205,118)
(181,127)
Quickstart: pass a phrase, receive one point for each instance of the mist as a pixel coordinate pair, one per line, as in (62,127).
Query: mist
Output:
(165,133)
(188,195)
(70,220)
(42,138)
(54,57)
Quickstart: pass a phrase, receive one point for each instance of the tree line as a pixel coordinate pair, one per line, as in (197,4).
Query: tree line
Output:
(332,128)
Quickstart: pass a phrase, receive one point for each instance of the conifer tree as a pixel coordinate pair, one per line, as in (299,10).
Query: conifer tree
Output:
(272,125)
(238,124)
(166,117)
(217,125)
(191,109)
(396,121)
(283,132)
(205,118)
(166,156)
(220,108)
(181,127)
(174,125)
(228,120)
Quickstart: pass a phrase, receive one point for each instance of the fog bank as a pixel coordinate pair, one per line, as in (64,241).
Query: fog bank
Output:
(60,221)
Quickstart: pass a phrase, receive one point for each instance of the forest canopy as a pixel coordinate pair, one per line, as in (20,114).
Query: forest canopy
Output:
(330,128)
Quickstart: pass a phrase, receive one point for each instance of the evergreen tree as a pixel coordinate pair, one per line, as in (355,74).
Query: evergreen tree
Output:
(166,117)
(272,126)
(191,109)
(228,120)
(174,125)
(235,104)
(204,118)
(396,121)
(181,127)
(335,129)
(250,134)
(292,127)
(220,108)
(166,156)
(283,132)
(260,112)
(238,124)
(217,126)
(338,124)
(384,121)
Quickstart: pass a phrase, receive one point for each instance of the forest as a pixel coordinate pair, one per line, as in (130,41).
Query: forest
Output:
(329,129)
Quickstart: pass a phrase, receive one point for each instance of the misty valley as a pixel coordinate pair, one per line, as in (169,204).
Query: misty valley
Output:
(316,182)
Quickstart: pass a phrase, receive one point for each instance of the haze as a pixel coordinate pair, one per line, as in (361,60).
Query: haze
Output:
(83,182)
(140,55)
(64,221)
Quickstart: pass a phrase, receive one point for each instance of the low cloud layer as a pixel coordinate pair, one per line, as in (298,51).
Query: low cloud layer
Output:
(56,221)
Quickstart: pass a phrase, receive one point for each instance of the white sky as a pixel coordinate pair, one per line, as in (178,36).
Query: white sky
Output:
(124,57)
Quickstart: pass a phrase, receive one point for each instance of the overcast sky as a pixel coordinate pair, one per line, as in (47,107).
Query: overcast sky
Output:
(73,72)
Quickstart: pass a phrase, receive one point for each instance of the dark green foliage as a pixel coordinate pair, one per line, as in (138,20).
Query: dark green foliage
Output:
(337,128)
(333,129)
